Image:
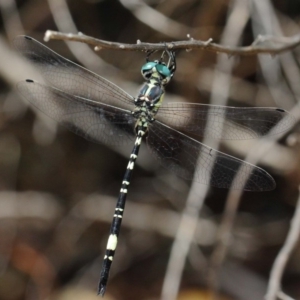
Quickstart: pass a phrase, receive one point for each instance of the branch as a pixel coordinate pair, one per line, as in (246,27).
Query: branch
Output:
(266,44)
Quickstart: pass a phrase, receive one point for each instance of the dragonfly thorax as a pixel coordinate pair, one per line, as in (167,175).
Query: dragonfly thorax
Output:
(158,74)
(151,93)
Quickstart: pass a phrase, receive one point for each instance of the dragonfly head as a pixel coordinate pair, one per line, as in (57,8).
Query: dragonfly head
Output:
(159,69)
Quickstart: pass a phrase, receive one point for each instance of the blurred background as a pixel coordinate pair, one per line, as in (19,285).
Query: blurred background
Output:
(58,191)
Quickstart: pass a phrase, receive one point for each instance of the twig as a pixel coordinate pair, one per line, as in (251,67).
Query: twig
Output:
(263,44)
(283,256)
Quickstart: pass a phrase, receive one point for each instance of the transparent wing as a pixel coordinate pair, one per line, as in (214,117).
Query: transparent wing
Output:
(70,77)
(239,122)
(94,121)
(185,156)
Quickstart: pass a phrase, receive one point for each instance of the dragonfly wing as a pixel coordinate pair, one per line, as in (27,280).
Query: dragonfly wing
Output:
(190,159)
(94,121)
(70,77)
(239,123)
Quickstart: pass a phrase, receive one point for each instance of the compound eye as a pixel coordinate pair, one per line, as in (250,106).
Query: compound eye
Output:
(149,65)
(147,69)
(163,71)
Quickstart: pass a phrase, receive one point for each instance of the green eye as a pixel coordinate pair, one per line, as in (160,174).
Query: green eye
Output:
(163,70)
(148,69)
(148,66)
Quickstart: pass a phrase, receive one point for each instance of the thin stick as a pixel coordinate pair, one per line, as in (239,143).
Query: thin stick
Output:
(266,44)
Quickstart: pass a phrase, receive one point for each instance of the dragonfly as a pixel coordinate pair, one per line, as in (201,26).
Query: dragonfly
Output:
(101,112)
